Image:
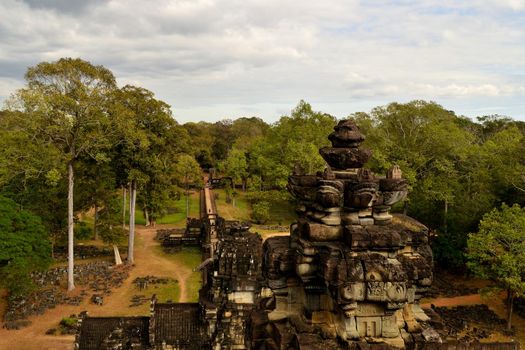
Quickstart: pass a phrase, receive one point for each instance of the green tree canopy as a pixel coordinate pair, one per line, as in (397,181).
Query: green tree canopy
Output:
(432,149)
(32,171)
(67,103)
(294,139)
(188,172)
(24,246)
(497,250)
(151,141)
(235,166)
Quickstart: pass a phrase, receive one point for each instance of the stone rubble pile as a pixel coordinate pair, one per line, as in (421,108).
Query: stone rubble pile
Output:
(144,282)
(276,228)
(138,300)
(162,234)
(97,299)
(98,277)
(469,323)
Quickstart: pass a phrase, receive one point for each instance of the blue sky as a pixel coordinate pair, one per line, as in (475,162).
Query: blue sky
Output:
(227,59)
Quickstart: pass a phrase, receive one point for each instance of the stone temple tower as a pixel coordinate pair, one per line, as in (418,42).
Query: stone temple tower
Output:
(350,272)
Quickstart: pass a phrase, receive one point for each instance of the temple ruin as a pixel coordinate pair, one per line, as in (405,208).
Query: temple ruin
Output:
(349,276)
(351,271)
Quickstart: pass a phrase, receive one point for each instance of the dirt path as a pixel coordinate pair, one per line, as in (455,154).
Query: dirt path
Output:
(472,299)
(147,262)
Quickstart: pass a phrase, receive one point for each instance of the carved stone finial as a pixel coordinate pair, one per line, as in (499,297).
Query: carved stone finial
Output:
(365,175)
(345,152)
(346,134)
(298,169)
(394,173)
(328,174)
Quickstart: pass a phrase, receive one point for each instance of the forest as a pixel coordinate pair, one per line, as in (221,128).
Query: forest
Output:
(73,141)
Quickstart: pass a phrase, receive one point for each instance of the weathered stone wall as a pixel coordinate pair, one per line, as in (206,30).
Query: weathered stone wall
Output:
(82,252)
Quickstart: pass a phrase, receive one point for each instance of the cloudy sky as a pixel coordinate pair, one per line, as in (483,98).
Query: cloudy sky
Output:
(213,59)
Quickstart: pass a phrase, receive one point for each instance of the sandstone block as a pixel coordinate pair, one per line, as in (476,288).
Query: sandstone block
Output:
(345,158)
(353,292)
(321,232)
(389,327)
(350,218)
(369,309)
(369,326)
(375,291)
(349,327)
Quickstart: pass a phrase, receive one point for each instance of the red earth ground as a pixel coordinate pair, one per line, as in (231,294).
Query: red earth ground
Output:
(147,262)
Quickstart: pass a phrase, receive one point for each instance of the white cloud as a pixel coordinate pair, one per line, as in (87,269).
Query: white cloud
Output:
(9,86)
(211,59)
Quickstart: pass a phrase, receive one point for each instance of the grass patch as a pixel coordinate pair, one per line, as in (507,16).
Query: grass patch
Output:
(165,292)
(282,212)
(68,322)
(241,211)
(178,217)
(190,258)
(139,217)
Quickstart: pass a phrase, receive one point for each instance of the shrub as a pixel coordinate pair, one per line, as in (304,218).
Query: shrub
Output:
(68,322)
(24,247)
(83,231)
(261,212)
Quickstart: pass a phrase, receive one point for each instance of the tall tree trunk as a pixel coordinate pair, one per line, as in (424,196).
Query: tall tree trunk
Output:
(95,222)
(244,184)
(118,260)
(405,207)
(129,206)
(70,231)
(124,207)
(131,237)
(146,216)
(187,201)
(510,296)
